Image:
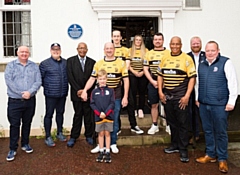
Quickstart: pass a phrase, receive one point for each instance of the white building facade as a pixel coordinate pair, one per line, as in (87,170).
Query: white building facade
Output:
(39,23)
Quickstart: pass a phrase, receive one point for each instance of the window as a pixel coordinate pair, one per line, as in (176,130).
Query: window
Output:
(16,26)
(192,4)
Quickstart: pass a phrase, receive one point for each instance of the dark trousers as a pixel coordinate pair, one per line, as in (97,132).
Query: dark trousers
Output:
(130,110)
(138,85)
(84,112)
(178,121)
(20,110)
(194,117)
(52,104)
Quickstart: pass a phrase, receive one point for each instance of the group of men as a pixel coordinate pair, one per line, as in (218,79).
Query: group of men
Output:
(172,80)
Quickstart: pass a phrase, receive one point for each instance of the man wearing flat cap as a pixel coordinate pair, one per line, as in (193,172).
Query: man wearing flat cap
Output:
(55,84)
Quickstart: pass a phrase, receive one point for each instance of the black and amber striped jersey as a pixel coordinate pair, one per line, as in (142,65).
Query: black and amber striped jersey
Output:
(137,60)
(176,72)
(121,53)
(152,60)
(116,70)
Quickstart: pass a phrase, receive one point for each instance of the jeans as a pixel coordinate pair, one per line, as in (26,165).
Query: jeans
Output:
(115,121)
(51,105)
(20,110)
(214,121)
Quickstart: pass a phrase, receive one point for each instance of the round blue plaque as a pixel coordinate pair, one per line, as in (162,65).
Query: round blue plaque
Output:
(75,31)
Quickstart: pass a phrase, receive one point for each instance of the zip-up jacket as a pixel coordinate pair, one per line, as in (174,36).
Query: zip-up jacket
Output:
(103,100)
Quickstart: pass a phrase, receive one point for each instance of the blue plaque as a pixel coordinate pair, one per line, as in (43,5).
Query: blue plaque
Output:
(75,31)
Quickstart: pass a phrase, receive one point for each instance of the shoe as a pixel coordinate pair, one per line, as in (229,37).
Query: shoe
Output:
(206,159)
(49,142)
(114,149)
(184,157)
(100,157)
(136,114)
(153,129)
(168,130)
(140,113)
(89,140)
(223,167)
(119,132)
(171,150)
(11,155)
(108,157)
(95,150)
(61,137)
(71,142)
(163,121)
(27,148)
(137,130)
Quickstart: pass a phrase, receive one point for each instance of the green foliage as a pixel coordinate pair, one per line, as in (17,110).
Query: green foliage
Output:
(53,133)
(2,132)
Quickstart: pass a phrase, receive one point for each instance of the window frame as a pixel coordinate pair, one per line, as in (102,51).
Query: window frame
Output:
(3,8)
(192,8)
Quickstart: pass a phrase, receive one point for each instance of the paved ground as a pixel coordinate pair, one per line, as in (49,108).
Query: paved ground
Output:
(141,160)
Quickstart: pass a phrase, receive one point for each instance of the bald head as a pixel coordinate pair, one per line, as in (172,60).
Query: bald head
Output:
(176,45)
(109,50)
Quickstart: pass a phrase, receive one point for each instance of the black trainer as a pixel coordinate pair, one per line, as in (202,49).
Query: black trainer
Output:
(108,157)
(100,157)
(171,150)
(184,157)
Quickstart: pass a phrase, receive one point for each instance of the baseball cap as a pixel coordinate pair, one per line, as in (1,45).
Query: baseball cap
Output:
(55,45)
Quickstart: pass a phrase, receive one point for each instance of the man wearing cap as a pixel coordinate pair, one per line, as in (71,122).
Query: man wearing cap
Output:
(55,84)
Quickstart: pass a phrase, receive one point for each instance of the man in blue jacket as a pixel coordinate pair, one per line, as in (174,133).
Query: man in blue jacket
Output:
(55,84)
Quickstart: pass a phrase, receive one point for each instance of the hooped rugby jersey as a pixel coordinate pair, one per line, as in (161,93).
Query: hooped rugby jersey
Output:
(137,60)
(116,70)
(153,59)
(121,53)
(176,72)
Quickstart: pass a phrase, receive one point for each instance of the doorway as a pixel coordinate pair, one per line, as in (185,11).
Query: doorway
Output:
(131,26)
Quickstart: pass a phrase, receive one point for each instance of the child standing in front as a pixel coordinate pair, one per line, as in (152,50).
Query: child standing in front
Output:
(102,103)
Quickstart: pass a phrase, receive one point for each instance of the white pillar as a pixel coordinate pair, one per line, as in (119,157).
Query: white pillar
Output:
(168,26)
(105,30)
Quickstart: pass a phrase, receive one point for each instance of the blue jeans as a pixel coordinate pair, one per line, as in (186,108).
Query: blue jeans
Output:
(20,110)
(51,105)
(115,121)
(214,122)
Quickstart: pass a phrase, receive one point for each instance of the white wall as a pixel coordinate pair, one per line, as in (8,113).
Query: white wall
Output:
(50,21)
(219,21)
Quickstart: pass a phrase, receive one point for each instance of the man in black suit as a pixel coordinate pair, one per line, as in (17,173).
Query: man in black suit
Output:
(197,56)
(79,69)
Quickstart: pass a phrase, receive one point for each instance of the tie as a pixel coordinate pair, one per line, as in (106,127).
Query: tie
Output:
(82,63)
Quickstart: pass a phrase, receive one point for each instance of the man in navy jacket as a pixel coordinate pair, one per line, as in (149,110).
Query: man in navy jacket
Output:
(55,83)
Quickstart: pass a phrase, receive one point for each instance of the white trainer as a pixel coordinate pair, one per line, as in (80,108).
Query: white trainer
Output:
(96,149)
(140,113)
(168,129)
(136,114)
(153,129)
(114,149)
(137,130)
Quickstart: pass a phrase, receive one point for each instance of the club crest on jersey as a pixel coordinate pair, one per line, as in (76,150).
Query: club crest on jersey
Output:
(107,92)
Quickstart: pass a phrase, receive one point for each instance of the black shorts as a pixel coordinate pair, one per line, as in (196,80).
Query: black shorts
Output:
(153,97)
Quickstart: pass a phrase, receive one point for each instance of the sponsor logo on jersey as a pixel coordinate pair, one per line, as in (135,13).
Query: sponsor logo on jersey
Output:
(111,76)
(170,72)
